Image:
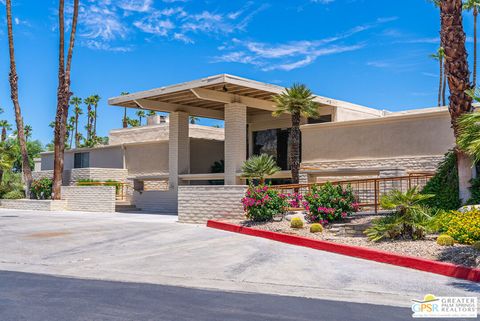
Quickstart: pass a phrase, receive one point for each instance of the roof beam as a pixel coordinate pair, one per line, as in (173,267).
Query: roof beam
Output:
(227,98)
(169,107)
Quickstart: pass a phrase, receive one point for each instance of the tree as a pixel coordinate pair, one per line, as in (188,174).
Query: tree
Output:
(28,132)
(13,77)
(297,101)
(439,56)
(6,160)
(63,94)
(124,121)
(151,113)
(140,114)
(260,166)
(76,102)
(468,139)
(456,67)
(5,127)
(194,120)
(133,122)
(71,130)
(95,101)
(90,114)
(473,6)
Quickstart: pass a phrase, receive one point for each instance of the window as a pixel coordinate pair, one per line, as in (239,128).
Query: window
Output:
(274,142)
(320,119)
(81,160)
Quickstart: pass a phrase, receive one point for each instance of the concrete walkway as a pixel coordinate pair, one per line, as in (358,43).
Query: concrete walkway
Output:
(155,249)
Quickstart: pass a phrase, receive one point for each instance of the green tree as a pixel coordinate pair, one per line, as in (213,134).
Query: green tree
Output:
(133,122)
(472,5)
(77,110)
(151,113)
(89,101)
(194,120)
(296,101)
(6,160)
(259,167)
(124,121)
(95,100)
(5,125)
(439,56)
(140,114)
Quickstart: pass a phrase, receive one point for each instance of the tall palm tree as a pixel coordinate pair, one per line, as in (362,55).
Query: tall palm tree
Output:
(95,100)
(439,56)
(456,67)
(5,127)
(124,120)
(473,6)
(140,114)
(71,129)
(28,132)
(89,101)
(297,101)
(76,102)
(13,77)
(63,93)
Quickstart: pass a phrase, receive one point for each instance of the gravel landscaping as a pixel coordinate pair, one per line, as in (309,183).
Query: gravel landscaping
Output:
(427,249)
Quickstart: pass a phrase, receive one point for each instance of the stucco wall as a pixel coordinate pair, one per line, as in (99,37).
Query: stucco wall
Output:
(156,201)
(147,159)
(197,204)
(385,138)
(203,153)
(89,198)
(103,157)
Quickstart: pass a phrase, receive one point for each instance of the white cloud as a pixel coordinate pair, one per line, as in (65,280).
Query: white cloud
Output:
(322,1)
(136,5)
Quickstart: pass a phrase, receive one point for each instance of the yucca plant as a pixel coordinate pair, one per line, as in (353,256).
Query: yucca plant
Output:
(410,220)
(260,166)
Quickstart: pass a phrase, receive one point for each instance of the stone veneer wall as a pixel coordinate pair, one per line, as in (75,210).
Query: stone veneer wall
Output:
(34,205)
(197,204)
(156,201)
(89,198)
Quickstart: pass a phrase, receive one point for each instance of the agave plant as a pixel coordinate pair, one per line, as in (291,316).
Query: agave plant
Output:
(410,220)
(260,166)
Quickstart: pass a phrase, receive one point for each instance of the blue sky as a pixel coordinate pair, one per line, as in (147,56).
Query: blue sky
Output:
(369,52)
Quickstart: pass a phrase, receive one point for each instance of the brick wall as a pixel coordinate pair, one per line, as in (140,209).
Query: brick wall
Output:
(197,204)
(34,205)
(89,198)
(235,141)
(156,201)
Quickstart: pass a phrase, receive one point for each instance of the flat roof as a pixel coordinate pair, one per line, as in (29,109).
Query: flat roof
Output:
(207,97)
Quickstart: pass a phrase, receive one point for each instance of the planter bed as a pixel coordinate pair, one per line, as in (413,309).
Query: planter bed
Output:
(426,249)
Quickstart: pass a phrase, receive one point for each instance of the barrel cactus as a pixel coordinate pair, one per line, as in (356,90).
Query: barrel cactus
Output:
(296,222)
(316,228)
(445,240)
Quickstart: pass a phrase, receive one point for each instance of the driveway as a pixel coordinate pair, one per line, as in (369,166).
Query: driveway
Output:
(155,249)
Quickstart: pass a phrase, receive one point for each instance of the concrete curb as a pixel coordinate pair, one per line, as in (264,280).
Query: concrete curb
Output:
(447,269)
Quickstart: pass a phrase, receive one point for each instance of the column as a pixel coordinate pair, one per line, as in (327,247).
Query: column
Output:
(235,141)
(178,148)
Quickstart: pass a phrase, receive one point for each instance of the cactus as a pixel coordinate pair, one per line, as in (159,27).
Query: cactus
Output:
(296,222)
(316,228)
(445,240)
(476,245)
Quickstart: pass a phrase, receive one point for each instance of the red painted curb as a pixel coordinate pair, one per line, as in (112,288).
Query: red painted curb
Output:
(441,268)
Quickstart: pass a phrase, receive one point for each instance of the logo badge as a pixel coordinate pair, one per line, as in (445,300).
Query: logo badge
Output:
(445,307)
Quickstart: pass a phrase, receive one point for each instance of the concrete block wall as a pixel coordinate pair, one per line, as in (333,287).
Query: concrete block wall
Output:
(197,204)
(70,177)
(89,198)
(156,201)
(34,205)
(235,141)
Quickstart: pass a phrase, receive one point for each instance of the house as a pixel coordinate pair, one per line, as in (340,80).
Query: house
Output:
(345,141)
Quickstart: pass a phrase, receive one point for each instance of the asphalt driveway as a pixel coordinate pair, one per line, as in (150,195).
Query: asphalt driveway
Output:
(155,249)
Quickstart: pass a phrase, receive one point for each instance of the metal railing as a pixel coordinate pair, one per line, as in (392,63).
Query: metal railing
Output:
(368,191)
(121,189)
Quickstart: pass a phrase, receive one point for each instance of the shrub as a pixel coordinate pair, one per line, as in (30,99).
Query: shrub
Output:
(464,227)
(262,203)
(476,245)
(328,203)
(316,228)
(475,190)
(445,240)
(42,188)
(14,195)
(444,185)
(296,222)
(411,219)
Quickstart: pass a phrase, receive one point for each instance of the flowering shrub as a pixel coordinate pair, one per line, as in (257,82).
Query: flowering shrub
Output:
(329,203)
(464,227)
(41,189)
(294,200)
(262,203)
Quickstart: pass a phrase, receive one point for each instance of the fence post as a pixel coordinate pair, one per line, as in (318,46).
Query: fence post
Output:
(377,190)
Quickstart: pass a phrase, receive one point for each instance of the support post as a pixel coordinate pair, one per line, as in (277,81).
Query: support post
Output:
(178,148)
(235,141)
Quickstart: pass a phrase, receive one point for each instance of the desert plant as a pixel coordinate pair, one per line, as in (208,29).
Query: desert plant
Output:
(260,166)
(445,240)
(296,222)
(476,245)
(42,188)
(316,228)
(410,219)
(262,203)
(464,227)
(14,195)
(328,203)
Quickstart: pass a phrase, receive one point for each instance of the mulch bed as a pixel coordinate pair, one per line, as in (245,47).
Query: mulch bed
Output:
(428,249)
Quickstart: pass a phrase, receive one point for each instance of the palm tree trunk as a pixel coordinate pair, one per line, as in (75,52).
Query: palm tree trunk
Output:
(440,85)
(475,14)
(13,77)
(63,96)
(456,67)
(95,123)
(77,138)
(125,124)
(295,148)
(444,89)
(4,134)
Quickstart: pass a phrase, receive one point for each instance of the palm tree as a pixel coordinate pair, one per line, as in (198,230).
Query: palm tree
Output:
(473,5)
(456,67)
(76,101)
(124,121)
(194,120)
(151,113)
(140,114)
(6,160)
(63,93)
(5,127)
(260,166)
(95,101)
(13,77)
(28,132)
(468,138)
(71,129)
(89,102)
(439,56)
(297,101)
